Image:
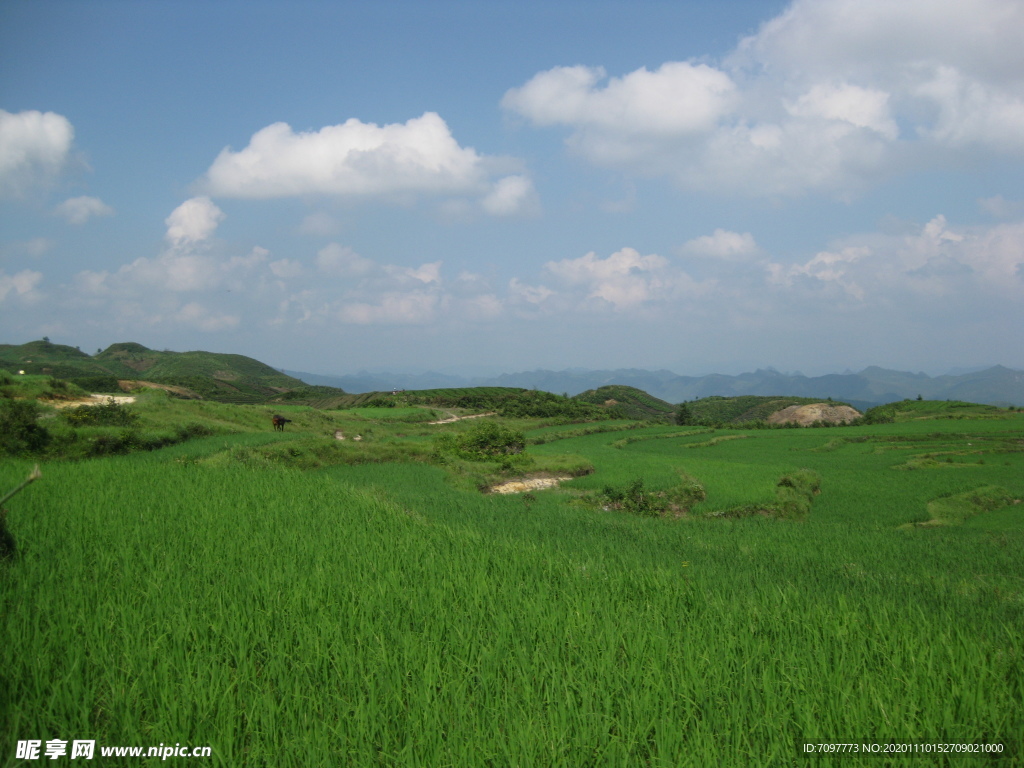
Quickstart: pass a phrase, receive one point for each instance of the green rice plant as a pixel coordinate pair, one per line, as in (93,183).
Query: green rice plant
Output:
(956,508)
(379,614)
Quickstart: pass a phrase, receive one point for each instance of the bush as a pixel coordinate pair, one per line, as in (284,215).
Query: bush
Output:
(676,501)
(486,440)
(19,432)
(108,414)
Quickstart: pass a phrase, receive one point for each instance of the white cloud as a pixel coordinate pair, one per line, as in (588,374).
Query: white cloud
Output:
(483,307)
(353,158)
(624,279)
(677,99)
(427,273)
(193,222)
(975,264)
(826,267)
(78,210)
(287,268)
(831,95)
(198,316)
(861,107)
(341,260)
(723,245)
(971,112)
(411,308)
(34,147)
(179,269)
(521,292)
(511,195)
(21,285)
(1001,208)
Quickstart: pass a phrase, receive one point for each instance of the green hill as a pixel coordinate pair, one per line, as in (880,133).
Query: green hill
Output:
(918,410)
(213,375)
(628,402)
(738,410)
(49,359)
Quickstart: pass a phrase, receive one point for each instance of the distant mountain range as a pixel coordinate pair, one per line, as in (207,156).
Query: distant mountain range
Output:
(993,386)
(242,379)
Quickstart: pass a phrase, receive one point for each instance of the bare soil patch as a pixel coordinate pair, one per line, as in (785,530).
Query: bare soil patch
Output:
(92,400)
(529,484)
(805,415)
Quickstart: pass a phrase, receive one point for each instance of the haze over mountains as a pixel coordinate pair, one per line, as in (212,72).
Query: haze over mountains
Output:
(251,380)
(873,385)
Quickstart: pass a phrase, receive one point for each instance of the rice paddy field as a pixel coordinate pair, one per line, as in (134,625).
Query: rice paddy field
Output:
(338,612)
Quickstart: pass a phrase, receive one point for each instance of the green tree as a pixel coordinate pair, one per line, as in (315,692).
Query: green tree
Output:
(19,432)
(684,417)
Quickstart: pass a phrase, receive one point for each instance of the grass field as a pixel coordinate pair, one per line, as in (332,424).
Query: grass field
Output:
(294,600)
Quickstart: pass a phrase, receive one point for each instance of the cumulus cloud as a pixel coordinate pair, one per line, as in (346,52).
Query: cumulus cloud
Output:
(624,279)
(860,107)
(831,95)
(78,210)
(723,245)
(511,195)
(34,148)
(342,260)
(21,285)
(679,98)
(353,158)
(193,222)
(972,263)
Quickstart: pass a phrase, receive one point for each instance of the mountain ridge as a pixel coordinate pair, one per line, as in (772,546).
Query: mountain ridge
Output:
(874,385)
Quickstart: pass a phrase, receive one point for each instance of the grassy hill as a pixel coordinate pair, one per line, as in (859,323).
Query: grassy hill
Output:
(212,375)
(917,410)
(58,360)
(628,402)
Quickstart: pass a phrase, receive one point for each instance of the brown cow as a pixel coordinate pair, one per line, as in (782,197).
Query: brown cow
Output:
(279,422)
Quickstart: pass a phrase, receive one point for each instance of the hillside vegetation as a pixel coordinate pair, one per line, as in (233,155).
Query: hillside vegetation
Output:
(625,402)
(504,401)
(211,375)
(740,410)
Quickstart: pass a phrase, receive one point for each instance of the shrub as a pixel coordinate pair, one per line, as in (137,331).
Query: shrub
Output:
(484,441)
(108,414)
(635,500)
(19,432)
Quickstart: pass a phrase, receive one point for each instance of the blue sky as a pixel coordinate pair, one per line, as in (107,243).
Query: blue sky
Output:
(478,187)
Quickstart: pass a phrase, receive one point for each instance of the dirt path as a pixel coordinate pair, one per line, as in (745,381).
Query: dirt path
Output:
(451,419)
